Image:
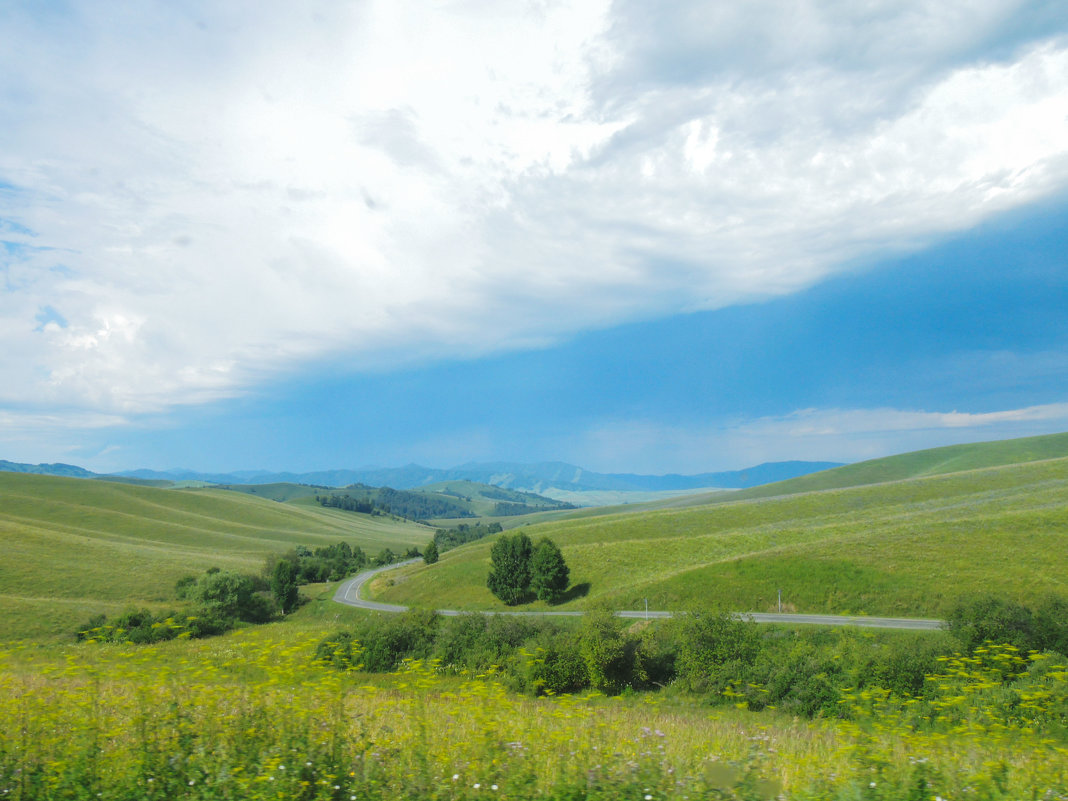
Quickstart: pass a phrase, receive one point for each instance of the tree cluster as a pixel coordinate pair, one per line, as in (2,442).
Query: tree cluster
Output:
(522,570)
(449,538)
(400,503)
(219,600)
(327,563)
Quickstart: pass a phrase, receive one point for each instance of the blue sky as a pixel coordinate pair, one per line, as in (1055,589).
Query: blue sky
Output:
(258,236)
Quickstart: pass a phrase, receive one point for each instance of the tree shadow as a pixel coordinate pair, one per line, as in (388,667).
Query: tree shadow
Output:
(574,592)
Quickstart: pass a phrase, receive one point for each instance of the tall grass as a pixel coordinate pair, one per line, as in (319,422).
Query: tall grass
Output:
(250,716)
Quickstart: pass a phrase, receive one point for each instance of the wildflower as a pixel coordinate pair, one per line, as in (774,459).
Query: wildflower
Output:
(477,785)
(493,786)
(455,776)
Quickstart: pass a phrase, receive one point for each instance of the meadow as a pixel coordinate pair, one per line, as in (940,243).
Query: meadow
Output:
(77,547)
(912,547)
(250,715)
(254,714)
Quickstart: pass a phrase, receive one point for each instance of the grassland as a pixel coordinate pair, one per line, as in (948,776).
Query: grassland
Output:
(250,715)
(77,547)
(906,547)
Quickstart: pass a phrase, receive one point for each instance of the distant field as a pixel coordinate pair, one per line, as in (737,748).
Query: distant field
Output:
(76,547)
(910,547)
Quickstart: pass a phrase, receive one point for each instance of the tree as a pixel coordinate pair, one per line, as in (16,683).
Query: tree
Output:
(430,553)
(509,579)
(549,574)
(284,584)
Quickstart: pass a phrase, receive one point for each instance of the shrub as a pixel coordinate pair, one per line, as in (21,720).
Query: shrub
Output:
(551,664)
(340,650)
(608,652)
(712,647)
(388,640)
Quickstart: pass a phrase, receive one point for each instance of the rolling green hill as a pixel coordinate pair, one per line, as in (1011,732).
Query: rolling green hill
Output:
(910,546)
(76,547)
(917,464)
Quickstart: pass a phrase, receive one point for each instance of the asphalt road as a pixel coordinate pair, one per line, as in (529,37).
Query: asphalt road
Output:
(348,592)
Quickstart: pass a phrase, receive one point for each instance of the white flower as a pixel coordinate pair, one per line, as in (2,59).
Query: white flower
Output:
(476,785)
(493,786)
(455,776)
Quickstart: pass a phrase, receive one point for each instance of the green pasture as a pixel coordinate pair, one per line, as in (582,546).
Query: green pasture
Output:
(911,547)
(918,464)
(75,547)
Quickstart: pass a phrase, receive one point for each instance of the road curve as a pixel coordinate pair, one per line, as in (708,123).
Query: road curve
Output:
(348,592)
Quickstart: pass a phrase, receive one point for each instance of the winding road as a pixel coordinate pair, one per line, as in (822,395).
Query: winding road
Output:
(348,592)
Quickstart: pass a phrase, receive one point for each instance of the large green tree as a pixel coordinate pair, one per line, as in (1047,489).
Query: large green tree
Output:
(509,579)
(549,574)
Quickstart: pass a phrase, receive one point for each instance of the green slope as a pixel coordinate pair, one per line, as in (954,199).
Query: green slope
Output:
(75,547)
(917,464)
(908,547)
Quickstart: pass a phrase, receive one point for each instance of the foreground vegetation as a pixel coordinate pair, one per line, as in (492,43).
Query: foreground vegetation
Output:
(252,715)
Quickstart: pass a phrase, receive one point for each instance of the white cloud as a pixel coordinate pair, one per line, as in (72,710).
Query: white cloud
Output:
(844,435)
(214,193)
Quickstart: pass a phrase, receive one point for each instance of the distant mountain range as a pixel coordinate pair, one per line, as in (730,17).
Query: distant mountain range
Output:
(529,477)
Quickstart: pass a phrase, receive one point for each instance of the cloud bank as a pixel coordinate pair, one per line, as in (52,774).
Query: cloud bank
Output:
(195,197)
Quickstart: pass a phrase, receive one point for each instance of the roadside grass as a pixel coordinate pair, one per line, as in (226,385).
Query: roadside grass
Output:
(908,548)
(74,548)
(250,716)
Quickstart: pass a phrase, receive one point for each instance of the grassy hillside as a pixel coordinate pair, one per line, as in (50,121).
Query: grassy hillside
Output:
(76,547)
(931,462)
(910,547)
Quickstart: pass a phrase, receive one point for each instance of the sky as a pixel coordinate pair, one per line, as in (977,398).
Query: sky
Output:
(672,237)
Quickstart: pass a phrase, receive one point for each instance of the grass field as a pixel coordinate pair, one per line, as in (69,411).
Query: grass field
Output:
(249,715)
(906,547)
(77,547)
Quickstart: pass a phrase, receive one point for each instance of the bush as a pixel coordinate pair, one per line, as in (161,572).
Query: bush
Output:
(388,640)
(712,648)
(340,651)
(987,618)
(608,652)
(551,664)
